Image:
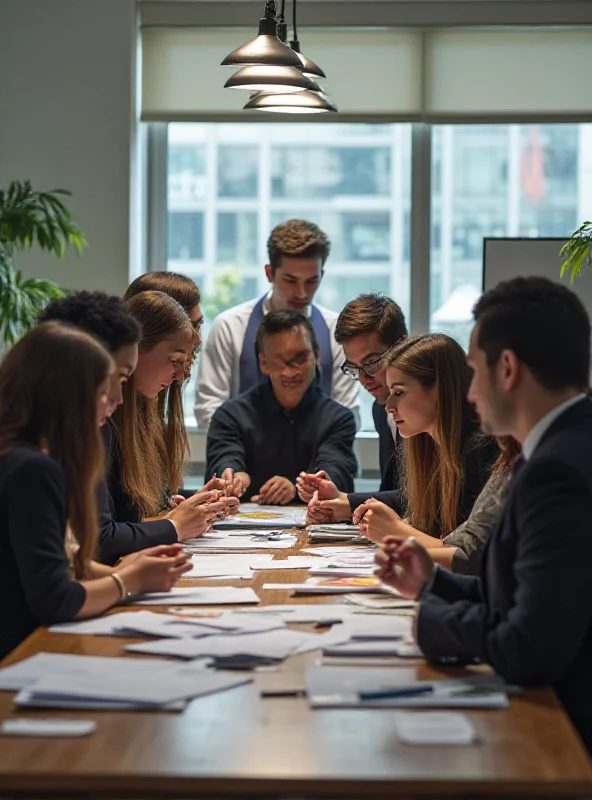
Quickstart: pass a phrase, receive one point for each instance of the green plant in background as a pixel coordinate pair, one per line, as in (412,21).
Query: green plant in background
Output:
(225,295)
(578,252)
(28,217)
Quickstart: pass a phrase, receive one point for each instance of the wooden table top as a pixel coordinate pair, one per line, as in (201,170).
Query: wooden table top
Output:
(237,744)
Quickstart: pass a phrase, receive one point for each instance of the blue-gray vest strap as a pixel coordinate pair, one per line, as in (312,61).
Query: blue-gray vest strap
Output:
(249,372)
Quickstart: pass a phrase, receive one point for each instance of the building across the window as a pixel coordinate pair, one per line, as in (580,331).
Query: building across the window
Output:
(229,184)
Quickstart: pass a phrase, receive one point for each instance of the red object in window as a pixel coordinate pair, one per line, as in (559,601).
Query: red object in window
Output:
(532,168)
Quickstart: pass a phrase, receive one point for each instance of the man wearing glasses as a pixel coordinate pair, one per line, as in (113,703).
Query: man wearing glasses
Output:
(260,441)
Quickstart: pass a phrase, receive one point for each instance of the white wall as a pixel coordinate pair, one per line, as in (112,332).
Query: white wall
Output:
(67,108)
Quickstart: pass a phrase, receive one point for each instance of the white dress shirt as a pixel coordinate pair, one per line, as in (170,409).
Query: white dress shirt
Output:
(218,365)
(536,433)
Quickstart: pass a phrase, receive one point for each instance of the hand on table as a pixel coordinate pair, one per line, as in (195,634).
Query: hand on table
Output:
(193,516)
(277,491)
(235,483)
(335,510)
(377,520)
(153,570)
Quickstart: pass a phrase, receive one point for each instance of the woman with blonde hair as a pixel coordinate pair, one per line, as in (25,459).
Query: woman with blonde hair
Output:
(51,459)
(145,471)
(445,460)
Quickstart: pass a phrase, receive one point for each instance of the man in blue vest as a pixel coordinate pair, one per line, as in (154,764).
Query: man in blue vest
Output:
(229,366)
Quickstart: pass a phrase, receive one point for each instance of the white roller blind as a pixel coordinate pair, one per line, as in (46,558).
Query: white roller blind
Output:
(508,72)
(497,74)
(370,72)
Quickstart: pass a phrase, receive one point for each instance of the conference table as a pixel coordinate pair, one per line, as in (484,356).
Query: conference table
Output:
(239,744)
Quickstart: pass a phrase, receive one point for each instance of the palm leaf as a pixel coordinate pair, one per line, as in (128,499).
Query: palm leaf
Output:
(577,252)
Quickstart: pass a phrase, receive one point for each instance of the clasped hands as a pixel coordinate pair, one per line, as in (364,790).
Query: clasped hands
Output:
(276,491)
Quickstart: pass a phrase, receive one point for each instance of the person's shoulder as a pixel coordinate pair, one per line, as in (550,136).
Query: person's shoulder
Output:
(31,464)
(334,408)
(328,314)
(238,312)
(241,403)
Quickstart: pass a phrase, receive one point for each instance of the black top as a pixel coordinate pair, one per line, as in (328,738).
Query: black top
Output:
(477,458)
(35,583)
(252,433)
(529,615)
(120,528)
(387,449)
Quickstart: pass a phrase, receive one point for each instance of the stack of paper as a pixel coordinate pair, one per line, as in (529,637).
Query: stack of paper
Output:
(198,596)
(72,681)
(252,515)
(231,542)
(336,586)
(335,533)
(228,567)
(359,687)
(147,623)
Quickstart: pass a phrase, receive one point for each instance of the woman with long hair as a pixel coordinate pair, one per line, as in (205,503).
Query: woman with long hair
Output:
(144,475)
(445,460)
(51,459)
(170,400)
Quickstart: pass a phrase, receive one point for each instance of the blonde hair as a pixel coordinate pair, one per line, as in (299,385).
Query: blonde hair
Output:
(152,449)
(432,467)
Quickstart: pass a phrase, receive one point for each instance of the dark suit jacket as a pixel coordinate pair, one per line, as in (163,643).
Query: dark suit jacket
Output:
(386,449)
(120,528)
(530,613)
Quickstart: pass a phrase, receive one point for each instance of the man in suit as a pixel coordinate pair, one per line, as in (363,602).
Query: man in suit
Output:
(529,615)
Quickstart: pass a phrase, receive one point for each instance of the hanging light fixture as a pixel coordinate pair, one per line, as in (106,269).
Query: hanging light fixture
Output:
(266,49)
(271,79)
(292,103)
(309,68)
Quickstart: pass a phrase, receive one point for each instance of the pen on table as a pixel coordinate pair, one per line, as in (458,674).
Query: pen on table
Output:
(322,623)
(283,693)
(409,691)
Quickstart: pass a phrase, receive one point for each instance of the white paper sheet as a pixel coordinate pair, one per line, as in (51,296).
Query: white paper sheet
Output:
(374,627)
(304,613)
(199,596)
(216,543)
(339,687)
(291,562)
(278,644)
(227,565)
(319,586)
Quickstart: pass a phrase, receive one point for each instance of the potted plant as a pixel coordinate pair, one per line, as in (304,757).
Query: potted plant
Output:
(28,217)
(577,252)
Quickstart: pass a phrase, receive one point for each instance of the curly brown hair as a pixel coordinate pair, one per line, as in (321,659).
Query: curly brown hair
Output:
(297,238)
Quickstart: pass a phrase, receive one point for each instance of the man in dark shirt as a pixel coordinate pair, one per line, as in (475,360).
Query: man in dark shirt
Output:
(529,615)
(261,440)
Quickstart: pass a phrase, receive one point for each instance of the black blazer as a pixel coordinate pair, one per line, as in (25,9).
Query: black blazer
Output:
(35,583)
(120,528)
(386,449)
(529,615)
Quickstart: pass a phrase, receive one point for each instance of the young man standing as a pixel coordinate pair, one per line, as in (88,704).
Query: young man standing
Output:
(530,614)
(228,366)
(261,440)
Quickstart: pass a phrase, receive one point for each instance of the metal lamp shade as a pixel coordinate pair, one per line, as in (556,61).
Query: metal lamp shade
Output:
(264,50)
(271,79)
(297,103)
(308,67)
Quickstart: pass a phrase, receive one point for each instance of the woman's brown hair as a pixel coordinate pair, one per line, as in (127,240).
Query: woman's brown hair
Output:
(49,383)
(170,401)
(509,451)
(432,467)
(152,450)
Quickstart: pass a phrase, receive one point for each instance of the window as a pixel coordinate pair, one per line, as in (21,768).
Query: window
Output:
(498,180)
(230,184)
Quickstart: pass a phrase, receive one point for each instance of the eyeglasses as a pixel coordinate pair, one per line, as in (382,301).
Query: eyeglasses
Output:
(370,369)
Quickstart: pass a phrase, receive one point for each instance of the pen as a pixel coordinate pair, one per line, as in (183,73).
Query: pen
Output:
(410,691)
(326,622)
(283,693)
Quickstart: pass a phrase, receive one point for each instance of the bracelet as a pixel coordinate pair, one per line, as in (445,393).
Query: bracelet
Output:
(124,593)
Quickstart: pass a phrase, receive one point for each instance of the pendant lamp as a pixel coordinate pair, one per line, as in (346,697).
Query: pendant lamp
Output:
(266,49)
(271,79)
(294,103)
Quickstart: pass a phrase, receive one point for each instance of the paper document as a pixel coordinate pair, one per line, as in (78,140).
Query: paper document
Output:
(304,613)
(291,562)
(278,645)
(198,596)
(229,543)
(255,516)
(336,586)
(361,687)
(229,565)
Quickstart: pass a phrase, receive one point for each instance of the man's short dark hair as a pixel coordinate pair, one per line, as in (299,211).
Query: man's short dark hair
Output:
(297,238)
(284,320)
(103,316)
(543,323)
(371,313)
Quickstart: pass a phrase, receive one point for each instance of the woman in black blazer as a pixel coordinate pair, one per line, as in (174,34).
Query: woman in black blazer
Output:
(51,460)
